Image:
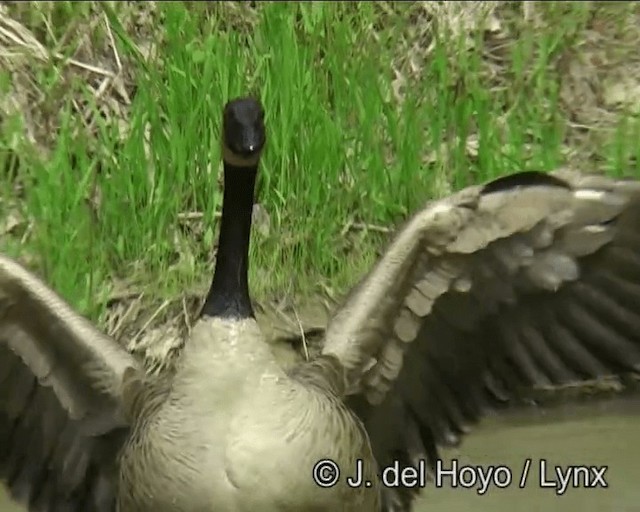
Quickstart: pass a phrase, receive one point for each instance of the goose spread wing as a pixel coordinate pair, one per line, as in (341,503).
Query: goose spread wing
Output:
(60,382)
(532,279)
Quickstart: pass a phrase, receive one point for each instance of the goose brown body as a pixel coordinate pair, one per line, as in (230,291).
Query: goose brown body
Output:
(271,428)
(531,279)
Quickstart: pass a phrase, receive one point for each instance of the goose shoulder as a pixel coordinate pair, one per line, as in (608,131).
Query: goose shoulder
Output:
(61,414)
(530,280)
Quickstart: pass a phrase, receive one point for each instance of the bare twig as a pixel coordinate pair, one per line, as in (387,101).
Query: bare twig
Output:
(185,315)
(121,321)
(359,226)
(116,55)
(302,334)
(162,306)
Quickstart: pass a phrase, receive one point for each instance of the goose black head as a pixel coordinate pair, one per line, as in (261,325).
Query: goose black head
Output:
(243,132)
(243,138)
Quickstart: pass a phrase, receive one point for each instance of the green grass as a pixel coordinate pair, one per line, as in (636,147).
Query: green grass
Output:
(342,148)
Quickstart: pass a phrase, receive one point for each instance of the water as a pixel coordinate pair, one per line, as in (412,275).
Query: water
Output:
(594,434)
(597,434)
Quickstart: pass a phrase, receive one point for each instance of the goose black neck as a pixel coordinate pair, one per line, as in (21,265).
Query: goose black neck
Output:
(228,296)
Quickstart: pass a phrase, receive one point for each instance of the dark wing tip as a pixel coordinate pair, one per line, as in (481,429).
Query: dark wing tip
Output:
(523,179)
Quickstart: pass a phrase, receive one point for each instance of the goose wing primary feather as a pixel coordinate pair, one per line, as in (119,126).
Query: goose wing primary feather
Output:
(60,385)
(532,279)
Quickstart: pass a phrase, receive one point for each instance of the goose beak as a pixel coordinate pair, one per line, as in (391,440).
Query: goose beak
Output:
(249,149)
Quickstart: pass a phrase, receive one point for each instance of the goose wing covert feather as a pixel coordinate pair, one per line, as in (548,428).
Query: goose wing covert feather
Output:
(60,383)
(532,279)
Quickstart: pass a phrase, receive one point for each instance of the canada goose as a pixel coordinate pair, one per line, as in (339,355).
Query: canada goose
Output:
(530,279)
